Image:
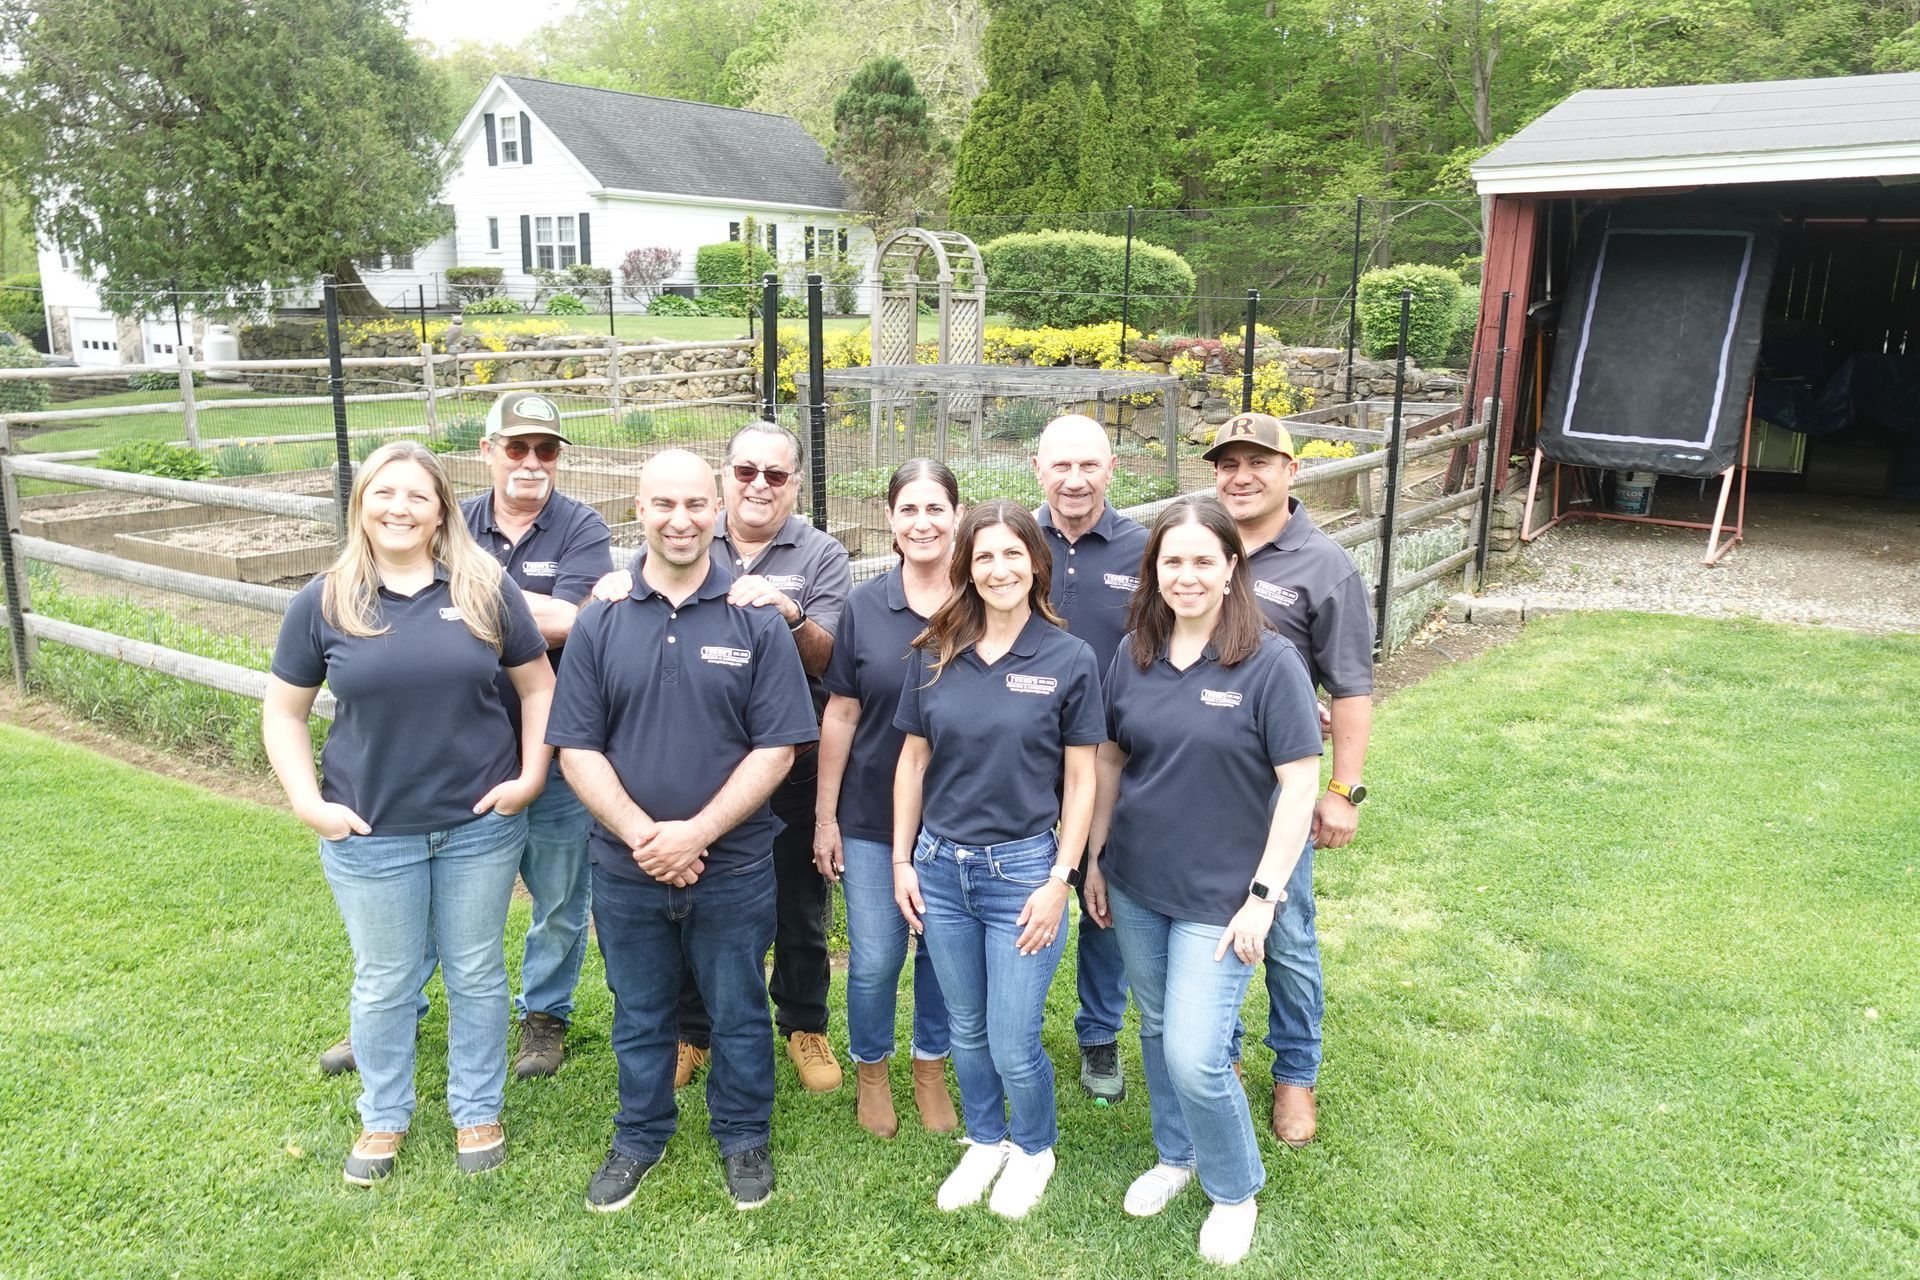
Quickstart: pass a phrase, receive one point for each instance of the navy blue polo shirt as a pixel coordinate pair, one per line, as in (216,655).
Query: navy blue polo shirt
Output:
(998,732)
(1094,578)
(1196,795)
(420,733)
(675,698)
(869,664)
(1313,595)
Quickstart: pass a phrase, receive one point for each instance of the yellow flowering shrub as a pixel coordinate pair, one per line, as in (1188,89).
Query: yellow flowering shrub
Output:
(1328,449)
(1272,393)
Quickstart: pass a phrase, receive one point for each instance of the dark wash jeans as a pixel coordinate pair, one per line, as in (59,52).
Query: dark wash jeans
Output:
(801,975)
(718,931)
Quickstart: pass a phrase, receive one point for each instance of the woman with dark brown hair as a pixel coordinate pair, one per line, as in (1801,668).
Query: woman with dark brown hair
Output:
(1208,714)
(1001,708)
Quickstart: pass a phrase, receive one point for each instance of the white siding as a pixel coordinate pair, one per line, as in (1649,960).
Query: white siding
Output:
(552,185)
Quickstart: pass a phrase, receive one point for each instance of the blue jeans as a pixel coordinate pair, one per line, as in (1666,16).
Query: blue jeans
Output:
(1102,980)
(1189,1005)
(553,866)
(877,936)
(1296,993)
(720,929)
(400,895)
(996,997)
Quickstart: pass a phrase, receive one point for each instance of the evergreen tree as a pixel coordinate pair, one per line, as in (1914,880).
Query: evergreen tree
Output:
(884,143)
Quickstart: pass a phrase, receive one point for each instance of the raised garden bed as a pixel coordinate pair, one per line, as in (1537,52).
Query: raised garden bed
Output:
(258,549)
(94,518)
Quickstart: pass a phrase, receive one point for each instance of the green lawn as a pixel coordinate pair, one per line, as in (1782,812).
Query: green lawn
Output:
(1621,982)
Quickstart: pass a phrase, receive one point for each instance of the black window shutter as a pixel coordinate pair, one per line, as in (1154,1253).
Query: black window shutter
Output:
(586,241)
(526,242)
(493,148)
(843,244)
(526,138)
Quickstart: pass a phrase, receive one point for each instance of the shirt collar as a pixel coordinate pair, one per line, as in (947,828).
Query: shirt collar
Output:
(488,523)
(1294,534)
(1027,643)
(897,589)
(1103,526)
(787,535)
(440,575)
(718,581)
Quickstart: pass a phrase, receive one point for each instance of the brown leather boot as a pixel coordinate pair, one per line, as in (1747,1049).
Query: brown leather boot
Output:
(873,1099)
(930,1096)
(1294,1117)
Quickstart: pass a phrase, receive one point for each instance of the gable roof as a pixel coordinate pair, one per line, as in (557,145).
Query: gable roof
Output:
(632,142)
(1714,134)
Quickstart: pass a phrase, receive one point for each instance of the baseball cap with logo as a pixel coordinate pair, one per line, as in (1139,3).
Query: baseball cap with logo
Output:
(1260,429)
(524,413)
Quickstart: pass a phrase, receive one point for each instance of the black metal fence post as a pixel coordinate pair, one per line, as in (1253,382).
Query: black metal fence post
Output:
(1396,442)
(1126,286)
(610,332)
(1490,444)
(337,388)
(1353,293)
(769,344)
(1246,351)
(420,302)
(817,397)
(179,331)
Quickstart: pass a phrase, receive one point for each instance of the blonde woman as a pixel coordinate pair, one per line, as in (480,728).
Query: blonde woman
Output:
(420,812)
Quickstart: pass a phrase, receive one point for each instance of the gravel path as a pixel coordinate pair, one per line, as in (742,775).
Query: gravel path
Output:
(1845,562)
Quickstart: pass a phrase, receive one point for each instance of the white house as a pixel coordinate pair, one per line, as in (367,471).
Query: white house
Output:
(548,175)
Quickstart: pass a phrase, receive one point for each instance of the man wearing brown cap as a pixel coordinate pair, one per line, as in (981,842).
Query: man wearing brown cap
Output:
(1311,592)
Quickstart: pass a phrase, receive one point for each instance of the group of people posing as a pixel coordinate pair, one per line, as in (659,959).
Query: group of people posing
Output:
(1026,706)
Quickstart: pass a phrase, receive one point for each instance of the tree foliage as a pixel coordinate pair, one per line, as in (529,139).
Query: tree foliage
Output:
(217,143)
(884,143)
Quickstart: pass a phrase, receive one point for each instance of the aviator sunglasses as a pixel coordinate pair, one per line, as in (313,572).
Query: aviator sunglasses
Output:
(745,472)
(546,450)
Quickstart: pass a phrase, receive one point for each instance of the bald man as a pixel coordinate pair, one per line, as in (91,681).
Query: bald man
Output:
(676,715)
(1096,566)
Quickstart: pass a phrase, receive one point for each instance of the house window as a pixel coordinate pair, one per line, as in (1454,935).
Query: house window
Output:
(163,348)
(543,243)
(66,260)
(401,261)
(493,233)
(568,241)
(733,231)
(368,262)
(509,139)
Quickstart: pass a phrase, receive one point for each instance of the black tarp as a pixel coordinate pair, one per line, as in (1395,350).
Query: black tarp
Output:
(1658,339)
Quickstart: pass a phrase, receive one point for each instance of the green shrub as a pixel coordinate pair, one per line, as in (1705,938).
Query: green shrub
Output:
(28,395)
(499,305)
(565,304)
(728,274)
(584,277)
(161,380)
(241,460)
(150,457)
(1431,319)
(673,304)
(1022,419)
(462,435)
(473,284)
(20,307)
(1069,278)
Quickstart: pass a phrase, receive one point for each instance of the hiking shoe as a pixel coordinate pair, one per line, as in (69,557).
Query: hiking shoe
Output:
(750,1177)
(337,1058)
(371,1158)
(1022,1182)
(1153,1190)
(480,1147)
(691,1060)
(615,1182)
(1295,1118)
(813,1059)
(543,1045)
(930,1095)
(1227,1234)
(1100,1076)
(873,1099)
(979,1165)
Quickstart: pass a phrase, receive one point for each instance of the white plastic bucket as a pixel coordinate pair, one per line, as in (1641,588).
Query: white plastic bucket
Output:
(1633,493)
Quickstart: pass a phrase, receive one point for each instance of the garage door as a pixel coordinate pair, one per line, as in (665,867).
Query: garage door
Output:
(96,340)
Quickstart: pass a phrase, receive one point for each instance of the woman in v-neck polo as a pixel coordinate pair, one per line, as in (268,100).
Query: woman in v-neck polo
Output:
(1209,714)
(1002,716)
(853,823)
(421,807)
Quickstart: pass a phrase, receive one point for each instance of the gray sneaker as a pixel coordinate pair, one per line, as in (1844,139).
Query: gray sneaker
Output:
(1100,1073)
(337,1059)
(543,1045)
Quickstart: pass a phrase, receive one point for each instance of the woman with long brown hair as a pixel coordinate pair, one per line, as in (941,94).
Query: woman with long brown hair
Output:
(420,810)
(1209,713)
(1001,711)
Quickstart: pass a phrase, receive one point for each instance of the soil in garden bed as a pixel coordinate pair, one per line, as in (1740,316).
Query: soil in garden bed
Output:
(249,537)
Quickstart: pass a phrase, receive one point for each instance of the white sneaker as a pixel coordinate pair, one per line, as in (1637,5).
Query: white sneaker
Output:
(1153,1190)
(1227,1233)
(978,1167)
(1022,1185)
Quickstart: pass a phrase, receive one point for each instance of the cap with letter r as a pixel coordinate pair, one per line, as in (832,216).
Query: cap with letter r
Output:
(1262,430)
(524,413)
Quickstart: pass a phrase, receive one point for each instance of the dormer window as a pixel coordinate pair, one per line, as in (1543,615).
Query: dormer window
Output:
(510,139)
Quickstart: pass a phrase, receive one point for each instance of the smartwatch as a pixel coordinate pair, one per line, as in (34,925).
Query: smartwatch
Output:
(1266,893)
(798,622)
(1356,795)
(1069,876)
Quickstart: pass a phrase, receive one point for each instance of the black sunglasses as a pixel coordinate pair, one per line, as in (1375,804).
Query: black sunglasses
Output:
(546,450)
(745,472)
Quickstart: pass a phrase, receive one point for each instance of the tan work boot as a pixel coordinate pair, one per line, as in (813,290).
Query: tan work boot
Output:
(690,1061)
(930,1095)
(1294,1117)
(371,1158)
(873,1099)
(480,1147)
(813,1058)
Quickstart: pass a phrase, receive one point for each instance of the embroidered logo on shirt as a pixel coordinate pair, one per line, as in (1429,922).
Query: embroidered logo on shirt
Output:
(452,614)
(1277,594)
(787,582)
(541,568)
(1042,685)
(722,656)
(1219,698)
(1122,582)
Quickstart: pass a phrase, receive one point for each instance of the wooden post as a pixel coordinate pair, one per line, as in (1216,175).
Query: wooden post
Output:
(188,415)
(427,384)
(13,568)
(613,381)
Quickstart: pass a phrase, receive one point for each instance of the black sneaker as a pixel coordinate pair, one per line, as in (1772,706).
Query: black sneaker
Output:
(615,1182)
(1100,1073)
(750,1178)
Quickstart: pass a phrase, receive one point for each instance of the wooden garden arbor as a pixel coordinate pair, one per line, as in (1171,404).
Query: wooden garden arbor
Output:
(911,260)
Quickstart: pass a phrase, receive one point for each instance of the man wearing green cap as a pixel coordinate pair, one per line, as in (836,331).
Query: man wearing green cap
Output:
(1311,592)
